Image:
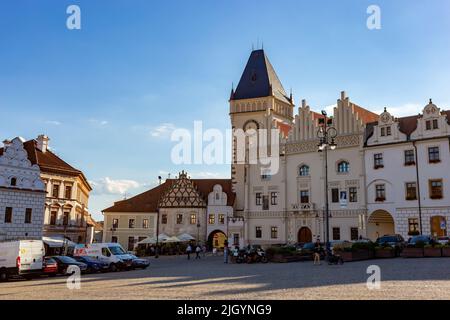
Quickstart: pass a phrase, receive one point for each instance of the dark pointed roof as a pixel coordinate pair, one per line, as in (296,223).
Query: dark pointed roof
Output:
(259,80)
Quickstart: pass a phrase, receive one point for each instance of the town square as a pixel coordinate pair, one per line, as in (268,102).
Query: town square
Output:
(193,152)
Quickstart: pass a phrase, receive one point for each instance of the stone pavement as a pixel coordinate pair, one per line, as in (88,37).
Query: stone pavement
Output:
(210,278)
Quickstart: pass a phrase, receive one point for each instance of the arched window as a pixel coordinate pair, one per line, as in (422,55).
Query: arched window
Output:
(343,167)
(303,171)
(13,182)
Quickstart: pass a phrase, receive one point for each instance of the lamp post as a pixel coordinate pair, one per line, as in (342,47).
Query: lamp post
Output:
(326,135)
(198,232)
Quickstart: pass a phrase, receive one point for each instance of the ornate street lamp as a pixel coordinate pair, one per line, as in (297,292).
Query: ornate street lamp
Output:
(198,232)
(326,135)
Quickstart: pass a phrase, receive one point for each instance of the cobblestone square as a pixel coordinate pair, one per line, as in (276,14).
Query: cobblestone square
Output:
(210,278)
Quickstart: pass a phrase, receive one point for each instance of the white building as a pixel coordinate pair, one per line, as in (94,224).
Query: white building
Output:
(408,173)
(22,194)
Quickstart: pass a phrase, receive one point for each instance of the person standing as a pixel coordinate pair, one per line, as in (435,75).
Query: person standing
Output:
(317,251)
(204,251)
(189,251)
(197,252)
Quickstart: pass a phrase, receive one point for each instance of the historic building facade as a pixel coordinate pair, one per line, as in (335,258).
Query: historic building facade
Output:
(22,195)
(408,173)
(67,191)
(202,208)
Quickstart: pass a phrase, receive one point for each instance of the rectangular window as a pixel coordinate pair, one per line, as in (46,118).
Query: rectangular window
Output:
(411,193)
(53,216)
(179,218)
(353,194)
(28,213)
(212,219)
(335,195)
(66,218)
(258,232)
(131,223)
(115,223)
(68,192)
(265,202)
(8,214)
(274,232)
(55,191)
(409,158)
(130,243)
(436,189)
(274,198)
(193,218)
(435,124)
(145,224)
(433,154)
(141,238)
(354,234)
(336,233)
(380,192)
(221,218)
(388,131)
(113,240)
(258,199)
(428,125)
(235,239)
(378,161)
(266,176)
(304,196)
(413,225)
(164,219)
(383,132)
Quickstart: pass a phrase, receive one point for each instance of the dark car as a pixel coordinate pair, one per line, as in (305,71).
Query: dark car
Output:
(395,241)
(64,262)
(50,267)
(138,263)
(412,242)
(93,265)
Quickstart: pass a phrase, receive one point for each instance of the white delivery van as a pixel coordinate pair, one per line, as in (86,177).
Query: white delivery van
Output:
(21,258)
(111,253)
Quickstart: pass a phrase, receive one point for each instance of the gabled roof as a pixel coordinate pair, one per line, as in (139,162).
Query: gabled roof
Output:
(148,200)
(259,79)
(365,115)
(49,162)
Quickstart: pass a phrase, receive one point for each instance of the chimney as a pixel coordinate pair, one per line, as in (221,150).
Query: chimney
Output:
(343,95)
(42,143)
(6,143)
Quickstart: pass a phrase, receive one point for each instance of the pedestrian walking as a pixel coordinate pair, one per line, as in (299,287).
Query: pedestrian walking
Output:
(204,251)
(197,252)
(214,252)
(189,251)
(317,251)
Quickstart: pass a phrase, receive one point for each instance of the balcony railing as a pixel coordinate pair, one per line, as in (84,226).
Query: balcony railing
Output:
(303,206)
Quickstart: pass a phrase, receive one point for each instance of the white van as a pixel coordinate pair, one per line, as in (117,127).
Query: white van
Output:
(111,253)
(21,258)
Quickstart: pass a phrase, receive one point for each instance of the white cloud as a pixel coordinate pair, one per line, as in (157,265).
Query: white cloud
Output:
(207,175)
(163,130)
(408,109)
(114,187)
(98,122)
(53,122)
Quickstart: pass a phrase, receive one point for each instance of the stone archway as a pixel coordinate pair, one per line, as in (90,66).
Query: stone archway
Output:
(304,235)
(380,223)
(216,239)
(438,226)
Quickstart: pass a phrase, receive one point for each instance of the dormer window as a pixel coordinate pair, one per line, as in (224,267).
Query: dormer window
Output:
(432,124)
(13,182)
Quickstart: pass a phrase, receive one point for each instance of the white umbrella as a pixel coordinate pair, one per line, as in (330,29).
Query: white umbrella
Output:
(185,237)
(172,239)
(152,240)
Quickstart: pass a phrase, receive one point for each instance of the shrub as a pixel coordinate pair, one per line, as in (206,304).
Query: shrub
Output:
(344,246)
(413,233)
(285,251)
(363,246)
(420,244)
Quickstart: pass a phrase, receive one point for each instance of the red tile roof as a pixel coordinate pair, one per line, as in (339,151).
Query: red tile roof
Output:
(365,115)
(148,200)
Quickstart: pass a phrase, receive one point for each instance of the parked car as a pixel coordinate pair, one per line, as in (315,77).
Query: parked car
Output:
(93,265)
(395,241)
(416,239)
(138,263)
(50,267)
(443,240)
(307,250)
(21,258)
(111,253)
(64,262)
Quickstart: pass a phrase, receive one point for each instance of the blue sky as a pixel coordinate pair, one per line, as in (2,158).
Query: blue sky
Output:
(108,95)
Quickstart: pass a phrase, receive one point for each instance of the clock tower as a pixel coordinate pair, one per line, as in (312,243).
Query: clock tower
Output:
(259,102)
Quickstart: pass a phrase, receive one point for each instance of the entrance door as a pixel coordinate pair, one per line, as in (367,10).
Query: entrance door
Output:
(304,235)
(438,226)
